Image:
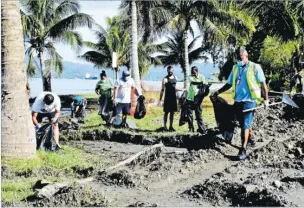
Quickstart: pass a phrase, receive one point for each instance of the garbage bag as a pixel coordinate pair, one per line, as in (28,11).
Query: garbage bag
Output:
(140,110)
(105,108)
(184,110)
(45,138)
(203,91)
(224,116)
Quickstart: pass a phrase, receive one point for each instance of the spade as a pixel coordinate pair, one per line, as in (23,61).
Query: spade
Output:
(285,99)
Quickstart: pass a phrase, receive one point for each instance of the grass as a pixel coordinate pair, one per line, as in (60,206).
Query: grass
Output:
(154,118)
(51,166)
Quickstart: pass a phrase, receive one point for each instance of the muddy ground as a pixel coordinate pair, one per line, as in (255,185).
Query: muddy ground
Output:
(208,175)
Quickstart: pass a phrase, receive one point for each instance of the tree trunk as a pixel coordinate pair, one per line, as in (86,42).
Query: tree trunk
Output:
(186,59)
(134,54)
(46,75)
(17,130)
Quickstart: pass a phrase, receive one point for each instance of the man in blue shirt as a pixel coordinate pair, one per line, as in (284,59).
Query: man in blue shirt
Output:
(246,79)
(78,106)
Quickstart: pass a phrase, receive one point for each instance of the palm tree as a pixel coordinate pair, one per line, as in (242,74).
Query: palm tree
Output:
(112,39)
(171,51)
(17,132)
(46,22)
(144,19)
(115,38)
(212,17)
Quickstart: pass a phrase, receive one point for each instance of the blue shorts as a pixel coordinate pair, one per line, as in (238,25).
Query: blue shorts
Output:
(245,119)
(124,107)
(51,115)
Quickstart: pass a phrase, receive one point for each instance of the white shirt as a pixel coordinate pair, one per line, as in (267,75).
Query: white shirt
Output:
(124,90)
(40,107)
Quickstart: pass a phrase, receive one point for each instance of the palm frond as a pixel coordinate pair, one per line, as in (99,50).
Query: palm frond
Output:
(70,23)
(66,8)
(71,38)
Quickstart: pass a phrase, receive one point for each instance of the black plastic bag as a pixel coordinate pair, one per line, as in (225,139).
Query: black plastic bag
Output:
(224,116)
(105,108)
(184,110)
(140,110)
(202,93)
(45,138)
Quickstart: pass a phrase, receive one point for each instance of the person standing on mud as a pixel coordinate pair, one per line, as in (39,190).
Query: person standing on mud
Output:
(246,79)
(195,80)
(122,96)
(104,88)
(48,105)
(170,101)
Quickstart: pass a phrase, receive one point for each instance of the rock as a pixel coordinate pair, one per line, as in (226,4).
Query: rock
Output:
(250,188)
(289,146)
(291,156)
(277,184)
(264,177)
(298,151)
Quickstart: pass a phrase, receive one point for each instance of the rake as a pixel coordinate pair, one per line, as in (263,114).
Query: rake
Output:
(285,99)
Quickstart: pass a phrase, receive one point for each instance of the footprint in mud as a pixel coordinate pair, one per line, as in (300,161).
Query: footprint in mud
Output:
(120,178)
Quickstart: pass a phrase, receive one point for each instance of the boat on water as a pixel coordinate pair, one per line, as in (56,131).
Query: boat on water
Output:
(89,76)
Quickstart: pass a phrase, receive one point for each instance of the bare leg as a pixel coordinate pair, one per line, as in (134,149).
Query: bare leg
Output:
(171,119)
(250,133)
(56,133)
(245,138)
(165,119)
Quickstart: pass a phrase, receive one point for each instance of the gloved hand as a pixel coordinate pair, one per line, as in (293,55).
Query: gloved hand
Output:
(37,127)
(141,97)
(266,104)
(115,101)
(214,94)
(160,103)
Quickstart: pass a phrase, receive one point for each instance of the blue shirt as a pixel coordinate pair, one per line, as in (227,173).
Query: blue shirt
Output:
(242,92)
(77,100)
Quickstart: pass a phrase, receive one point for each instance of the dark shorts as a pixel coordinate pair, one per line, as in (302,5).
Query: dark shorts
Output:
(245,119)
(51,115)
(122,107)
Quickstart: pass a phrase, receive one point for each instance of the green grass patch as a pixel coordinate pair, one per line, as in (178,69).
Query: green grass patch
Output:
(154,119)
(17,189)
(65,159)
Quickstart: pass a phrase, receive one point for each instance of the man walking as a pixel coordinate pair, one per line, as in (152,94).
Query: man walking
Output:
(122,96)
(246,79)
(196,80)
(104,88)
(48,105)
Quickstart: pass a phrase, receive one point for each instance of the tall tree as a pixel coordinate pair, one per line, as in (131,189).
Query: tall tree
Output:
(171,50)
(17,132)
(115,38)
(212,18)
(46,22)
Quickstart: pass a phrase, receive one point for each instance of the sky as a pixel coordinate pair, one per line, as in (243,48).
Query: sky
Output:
(98,10)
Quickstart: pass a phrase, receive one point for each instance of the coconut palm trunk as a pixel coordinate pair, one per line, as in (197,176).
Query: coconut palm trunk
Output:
(186,59)
(17,130)
(134,53)
(46,75)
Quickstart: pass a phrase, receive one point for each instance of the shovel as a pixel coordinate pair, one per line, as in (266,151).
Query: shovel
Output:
(285,99)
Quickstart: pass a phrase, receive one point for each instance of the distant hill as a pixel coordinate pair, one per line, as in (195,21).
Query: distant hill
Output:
(78,70)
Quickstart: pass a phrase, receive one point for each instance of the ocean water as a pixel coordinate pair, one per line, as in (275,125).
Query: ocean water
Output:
(153,78)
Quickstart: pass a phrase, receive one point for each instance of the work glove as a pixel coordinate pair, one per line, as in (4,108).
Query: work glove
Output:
(214,94)
(266,104)
(160,103)
(141,97)
(115,101)
(37,127)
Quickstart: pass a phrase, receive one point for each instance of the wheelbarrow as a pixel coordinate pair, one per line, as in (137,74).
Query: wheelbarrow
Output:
(285,99)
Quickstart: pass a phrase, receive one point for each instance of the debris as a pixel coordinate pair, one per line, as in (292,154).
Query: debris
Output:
(277,184)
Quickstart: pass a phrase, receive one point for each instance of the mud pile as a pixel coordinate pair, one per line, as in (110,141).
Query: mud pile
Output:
(76,196)
(223,192)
